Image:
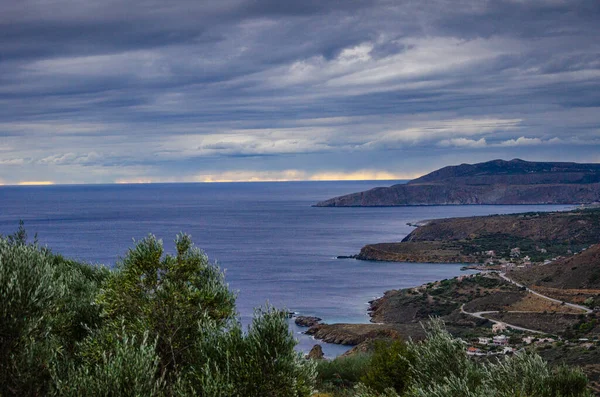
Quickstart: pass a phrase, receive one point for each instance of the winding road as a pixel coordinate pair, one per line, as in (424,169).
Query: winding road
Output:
(480,315)
(585,309)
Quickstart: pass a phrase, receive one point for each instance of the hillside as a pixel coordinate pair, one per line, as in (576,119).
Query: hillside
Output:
(572,279)
(540,236)
(492,182)
(578,226)
(581,271)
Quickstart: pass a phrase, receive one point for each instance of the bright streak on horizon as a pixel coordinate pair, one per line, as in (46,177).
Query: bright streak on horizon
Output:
(276,176)
(299,176)
(361,176)
(290,175)
(137,181)
(35,183)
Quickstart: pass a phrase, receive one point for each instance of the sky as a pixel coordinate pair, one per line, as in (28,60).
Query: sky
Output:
(234,90)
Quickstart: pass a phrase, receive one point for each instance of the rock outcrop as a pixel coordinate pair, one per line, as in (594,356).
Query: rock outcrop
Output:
(494,182)
(307,321)
(352,334)
(316,353)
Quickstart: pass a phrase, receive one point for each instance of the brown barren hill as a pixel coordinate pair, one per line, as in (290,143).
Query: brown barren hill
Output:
(493,182)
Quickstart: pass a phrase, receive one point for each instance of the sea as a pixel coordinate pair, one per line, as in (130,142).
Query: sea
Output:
(273,245)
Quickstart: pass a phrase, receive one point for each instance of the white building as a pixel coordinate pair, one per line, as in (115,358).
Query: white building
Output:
(528,339)
(515,252)
(500,340)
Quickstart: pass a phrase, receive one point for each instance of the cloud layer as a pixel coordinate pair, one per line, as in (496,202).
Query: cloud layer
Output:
(96,92)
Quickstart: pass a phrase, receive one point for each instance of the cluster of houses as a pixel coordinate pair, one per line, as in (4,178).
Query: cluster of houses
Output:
(498,340)
(515,259)
(500,344)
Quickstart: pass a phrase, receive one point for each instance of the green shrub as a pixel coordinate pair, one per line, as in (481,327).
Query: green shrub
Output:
(342,372)
(364,391)
(29,296)
(184,303)
(272,366)
(130,368)
(168,296)
(439,357)
(439,367)
(567,382)
(261,362)
(388,367)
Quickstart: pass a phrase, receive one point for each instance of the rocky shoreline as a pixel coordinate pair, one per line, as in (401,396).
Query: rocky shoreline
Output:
(398,314)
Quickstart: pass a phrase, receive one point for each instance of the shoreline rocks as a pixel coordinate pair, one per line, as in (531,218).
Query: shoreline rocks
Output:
(316,353)
(307,321)
(352,334)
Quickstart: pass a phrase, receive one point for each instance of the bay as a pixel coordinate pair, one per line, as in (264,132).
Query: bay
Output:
(274,246)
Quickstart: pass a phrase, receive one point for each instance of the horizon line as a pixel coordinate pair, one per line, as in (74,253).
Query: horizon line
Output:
(48,183)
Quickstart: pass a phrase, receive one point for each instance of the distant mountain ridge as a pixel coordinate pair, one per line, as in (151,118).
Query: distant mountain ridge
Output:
(493,182)
(514,172)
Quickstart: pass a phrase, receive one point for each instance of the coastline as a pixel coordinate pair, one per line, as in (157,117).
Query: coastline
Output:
(474,302)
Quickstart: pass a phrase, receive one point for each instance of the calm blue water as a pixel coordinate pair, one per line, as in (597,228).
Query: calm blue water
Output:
(273,244)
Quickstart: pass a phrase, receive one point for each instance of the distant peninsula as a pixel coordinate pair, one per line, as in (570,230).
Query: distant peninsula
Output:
(494,182)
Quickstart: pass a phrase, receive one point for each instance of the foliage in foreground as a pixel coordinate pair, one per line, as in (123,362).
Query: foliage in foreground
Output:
(158,325)
(162,325)
(385,368)
(342,373)
(440,367)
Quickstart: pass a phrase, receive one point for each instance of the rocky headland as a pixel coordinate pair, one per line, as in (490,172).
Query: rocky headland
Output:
(494,182)
(523,238)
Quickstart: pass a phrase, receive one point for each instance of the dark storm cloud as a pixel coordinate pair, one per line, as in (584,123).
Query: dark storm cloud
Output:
(185,90)
(525,19)
(38,29)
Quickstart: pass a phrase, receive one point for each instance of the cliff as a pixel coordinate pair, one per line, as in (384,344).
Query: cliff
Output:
(493,182)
